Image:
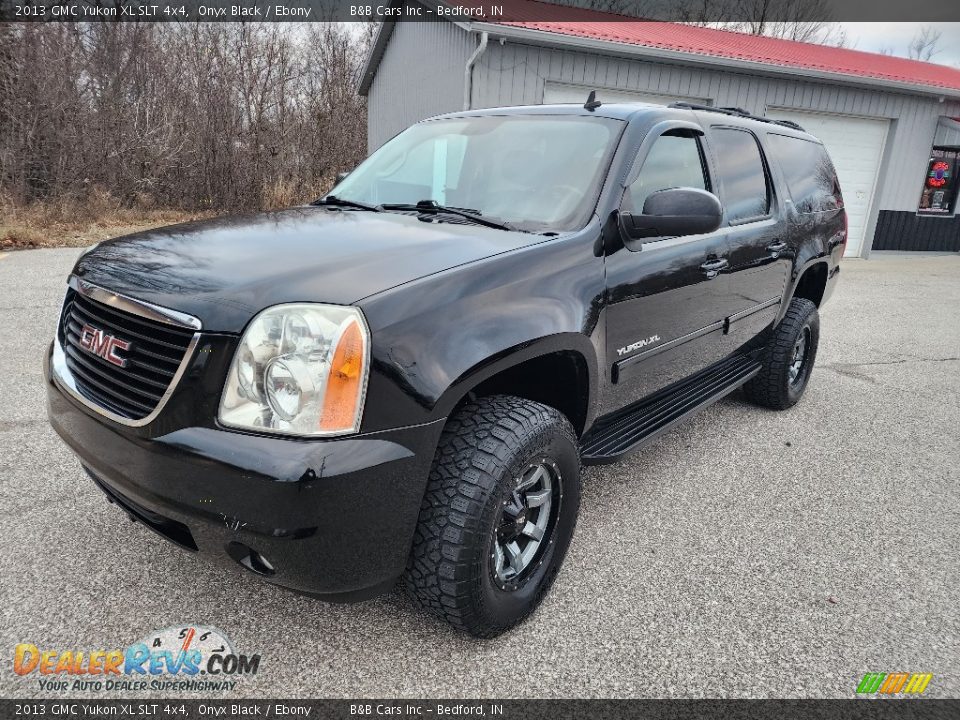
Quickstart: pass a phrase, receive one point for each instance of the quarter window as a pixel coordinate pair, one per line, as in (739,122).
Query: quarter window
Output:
(746,189)
(809,173)
(673,161)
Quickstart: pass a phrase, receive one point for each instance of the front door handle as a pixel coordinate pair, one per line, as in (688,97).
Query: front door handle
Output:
(775,248)
(712,268)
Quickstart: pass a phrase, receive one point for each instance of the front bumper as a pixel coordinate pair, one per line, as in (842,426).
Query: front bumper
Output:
(332,518)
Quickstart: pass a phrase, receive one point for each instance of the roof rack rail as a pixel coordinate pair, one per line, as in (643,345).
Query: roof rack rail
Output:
(790,124)
(736,112)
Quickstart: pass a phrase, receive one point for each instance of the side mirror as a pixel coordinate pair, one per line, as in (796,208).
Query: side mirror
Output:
(674,212)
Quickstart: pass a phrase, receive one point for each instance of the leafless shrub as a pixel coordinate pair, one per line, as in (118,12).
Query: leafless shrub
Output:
(194,116)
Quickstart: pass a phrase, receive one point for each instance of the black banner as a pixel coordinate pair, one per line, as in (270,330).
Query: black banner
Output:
(767,11)
(399,709)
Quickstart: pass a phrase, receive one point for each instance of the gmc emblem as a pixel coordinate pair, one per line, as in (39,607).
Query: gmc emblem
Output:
(96,341)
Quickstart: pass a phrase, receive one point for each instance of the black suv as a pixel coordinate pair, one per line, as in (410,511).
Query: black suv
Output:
(403,379)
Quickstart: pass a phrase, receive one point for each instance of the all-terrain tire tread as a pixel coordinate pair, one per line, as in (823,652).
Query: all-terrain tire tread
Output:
(767,388)
(474,451)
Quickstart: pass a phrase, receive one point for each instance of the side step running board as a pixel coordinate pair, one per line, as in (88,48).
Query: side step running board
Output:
(627,430)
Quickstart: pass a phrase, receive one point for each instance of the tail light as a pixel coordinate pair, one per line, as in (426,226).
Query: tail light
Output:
(846,233)
(838,196)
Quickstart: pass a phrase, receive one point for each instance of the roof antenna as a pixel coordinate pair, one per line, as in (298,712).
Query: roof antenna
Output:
(592,103)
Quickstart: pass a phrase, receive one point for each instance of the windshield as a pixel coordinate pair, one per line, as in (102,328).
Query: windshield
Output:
(536,172)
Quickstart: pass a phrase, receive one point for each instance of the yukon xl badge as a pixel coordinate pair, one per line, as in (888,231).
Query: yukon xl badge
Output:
(96,341)
(637,345)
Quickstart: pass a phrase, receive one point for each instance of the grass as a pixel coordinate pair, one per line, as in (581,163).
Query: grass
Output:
(81,221)
(45,226)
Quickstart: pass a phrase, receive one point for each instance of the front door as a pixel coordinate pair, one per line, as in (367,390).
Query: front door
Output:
(664,295)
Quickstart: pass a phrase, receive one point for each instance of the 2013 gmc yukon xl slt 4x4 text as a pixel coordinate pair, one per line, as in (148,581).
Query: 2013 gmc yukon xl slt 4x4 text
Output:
(403,379)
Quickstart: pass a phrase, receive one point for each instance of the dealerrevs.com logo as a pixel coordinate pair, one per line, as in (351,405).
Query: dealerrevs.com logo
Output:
(185,658)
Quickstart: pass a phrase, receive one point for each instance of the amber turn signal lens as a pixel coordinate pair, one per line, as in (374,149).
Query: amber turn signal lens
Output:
(342,400)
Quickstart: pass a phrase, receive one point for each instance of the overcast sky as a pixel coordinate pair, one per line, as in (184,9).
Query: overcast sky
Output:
(876,36)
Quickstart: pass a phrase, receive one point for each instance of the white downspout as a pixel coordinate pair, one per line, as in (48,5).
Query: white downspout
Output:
(468,70)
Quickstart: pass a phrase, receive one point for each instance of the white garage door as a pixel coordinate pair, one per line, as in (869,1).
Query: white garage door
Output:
(856,146)
(562,93)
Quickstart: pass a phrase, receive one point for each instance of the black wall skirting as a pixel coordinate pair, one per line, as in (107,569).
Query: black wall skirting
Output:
(898,230)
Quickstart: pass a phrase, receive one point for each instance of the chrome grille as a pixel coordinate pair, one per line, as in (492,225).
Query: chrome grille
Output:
(154,360)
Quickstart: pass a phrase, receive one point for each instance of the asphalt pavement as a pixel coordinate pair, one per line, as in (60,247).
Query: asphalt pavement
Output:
(747,553)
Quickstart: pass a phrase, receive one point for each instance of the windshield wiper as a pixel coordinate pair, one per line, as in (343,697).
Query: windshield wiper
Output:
(430,206)
(334,201)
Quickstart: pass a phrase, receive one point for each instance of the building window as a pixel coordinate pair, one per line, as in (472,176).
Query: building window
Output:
(940,183)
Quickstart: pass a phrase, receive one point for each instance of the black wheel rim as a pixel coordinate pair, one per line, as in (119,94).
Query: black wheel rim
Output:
(801,351)
(524,528)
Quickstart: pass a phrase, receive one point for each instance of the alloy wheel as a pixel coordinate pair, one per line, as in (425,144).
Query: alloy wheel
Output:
(799,355)
(526,523)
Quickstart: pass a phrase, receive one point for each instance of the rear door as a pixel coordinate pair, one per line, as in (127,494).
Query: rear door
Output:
(759,251)
(665,295)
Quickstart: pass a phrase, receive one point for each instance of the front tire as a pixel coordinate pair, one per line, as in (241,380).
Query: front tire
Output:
(498,514)
(788,359)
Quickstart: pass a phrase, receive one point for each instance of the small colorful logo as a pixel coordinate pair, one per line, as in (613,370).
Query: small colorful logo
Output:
(939,174)
(894,683)
(169,659)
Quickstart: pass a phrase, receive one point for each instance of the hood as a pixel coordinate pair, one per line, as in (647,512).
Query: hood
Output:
(224,271)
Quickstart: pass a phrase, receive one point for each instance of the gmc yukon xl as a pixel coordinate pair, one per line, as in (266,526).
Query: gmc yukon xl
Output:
(403,379)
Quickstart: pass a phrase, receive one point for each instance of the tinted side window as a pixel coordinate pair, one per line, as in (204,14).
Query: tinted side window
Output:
(746,193)
(809,173)
(673,161)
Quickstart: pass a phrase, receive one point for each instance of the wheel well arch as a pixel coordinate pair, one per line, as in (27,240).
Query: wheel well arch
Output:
(812,283)
(559,379)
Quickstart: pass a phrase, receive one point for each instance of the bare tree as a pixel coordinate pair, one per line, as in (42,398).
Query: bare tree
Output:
(801,20)
(192,116)
(925,44)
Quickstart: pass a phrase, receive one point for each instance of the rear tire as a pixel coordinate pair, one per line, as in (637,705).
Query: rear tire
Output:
(506,471)
(788,358)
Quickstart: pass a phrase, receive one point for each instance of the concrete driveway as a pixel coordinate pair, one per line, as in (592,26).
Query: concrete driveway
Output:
(748,553)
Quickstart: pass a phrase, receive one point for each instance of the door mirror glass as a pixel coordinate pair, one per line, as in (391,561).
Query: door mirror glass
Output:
(674,212)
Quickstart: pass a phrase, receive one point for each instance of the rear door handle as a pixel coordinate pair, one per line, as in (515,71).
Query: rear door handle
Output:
(712,268)
(775,248)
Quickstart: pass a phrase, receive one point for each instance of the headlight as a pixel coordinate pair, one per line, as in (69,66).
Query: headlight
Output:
(300,370)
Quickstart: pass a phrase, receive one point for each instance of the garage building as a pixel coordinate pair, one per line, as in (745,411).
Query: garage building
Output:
(891,125)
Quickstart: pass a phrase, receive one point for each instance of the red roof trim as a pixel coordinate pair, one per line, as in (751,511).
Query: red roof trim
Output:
(677,37)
